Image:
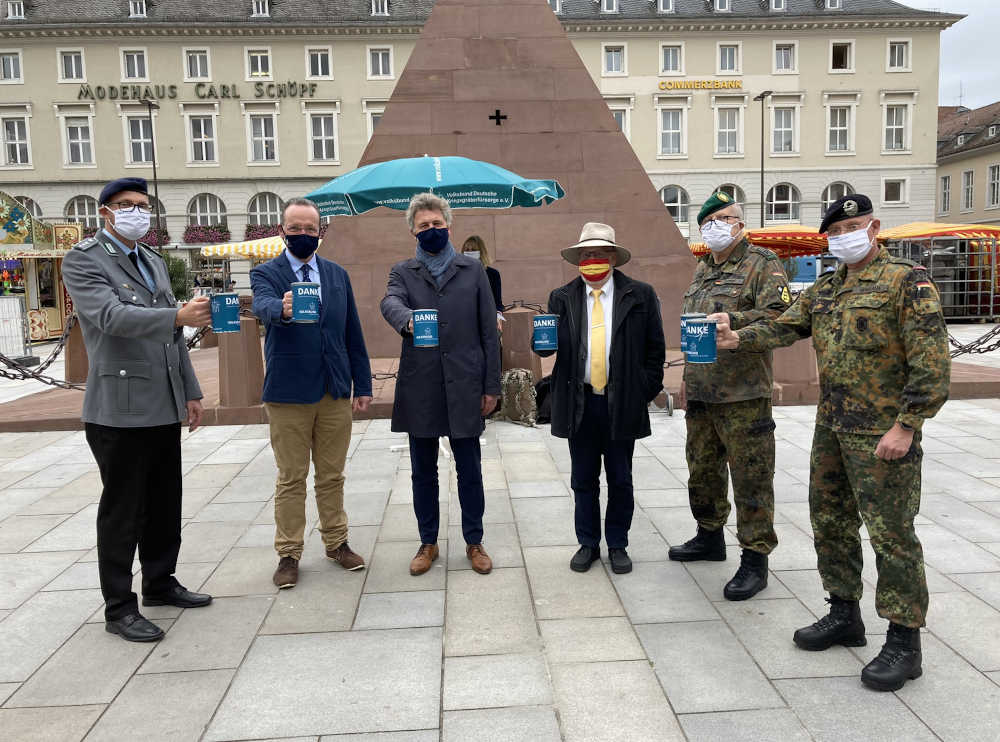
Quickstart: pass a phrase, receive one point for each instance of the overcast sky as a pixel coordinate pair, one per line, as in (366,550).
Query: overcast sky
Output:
(968,51)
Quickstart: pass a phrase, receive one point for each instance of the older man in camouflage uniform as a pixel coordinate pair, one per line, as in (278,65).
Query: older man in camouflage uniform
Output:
(729,402)
(884,368)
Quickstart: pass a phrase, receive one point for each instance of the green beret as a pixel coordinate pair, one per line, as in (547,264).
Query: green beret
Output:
(716,201)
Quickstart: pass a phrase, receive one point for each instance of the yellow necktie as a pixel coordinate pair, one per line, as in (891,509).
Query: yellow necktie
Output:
(598,366)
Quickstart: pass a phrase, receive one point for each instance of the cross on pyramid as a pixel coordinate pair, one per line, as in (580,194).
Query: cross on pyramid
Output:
(501,82)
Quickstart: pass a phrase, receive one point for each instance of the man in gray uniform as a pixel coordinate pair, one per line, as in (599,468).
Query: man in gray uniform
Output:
(141,387)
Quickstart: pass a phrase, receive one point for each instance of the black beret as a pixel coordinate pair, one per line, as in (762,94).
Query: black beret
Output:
(848,207)
(122,184)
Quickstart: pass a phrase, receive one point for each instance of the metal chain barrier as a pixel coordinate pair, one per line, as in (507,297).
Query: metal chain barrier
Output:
(980,345)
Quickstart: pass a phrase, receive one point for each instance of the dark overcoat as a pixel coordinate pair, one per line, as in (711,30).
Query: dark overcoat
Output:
(635,375)
(439,390)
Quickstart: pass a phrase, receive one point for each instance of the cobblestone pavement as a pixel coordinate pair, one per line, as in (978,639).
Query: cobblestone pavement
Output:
(531,653)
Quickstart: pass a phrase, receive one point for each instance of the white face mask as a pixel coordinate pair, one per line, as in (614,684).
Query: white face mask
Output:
(131,225)
(474,254)
(717,235)
(852,247)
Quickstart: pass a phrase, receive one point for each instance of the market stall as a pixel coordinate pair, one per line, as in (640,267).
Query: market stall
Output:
(786,241)
(213,270)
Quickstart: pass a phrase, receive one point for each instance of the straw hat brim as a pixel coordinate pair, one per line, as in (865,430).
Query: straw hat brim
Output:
(572,254)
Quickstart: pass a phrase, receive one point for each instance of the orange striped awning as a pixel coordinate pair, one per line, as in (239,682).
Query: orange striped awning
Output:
(786,241)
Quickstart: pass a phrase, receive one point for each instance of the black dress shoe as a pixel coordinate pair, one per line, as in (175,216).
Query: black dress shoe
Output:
(620,562)
(134,628)
(749,579)
(584,557)
(178,596)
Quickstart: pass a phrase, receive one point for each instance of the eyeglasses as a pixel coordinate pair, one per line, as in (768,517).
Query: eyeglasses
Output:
(127,207)
(296,229)
(724,219)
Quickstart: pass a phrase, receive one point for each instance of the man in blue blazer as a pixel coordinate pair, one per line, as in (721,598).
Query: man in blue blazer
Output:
(313,369)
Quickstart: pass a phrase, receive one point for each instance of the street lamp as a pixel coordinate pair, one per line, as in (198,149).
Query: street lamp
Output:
(762,97)
(151,106)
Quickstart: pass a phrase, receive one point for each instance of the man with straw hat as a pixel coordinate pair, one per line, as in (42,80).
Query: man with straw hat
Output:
(609,366)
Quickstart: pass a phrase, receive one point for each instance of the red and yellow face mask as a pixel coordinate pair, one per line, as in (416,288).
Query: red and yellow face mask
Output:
(595,270)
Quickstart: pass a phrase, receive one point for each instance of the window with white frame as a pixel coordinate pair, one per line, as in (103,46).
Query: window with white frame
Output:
(898,55)
(784,138)
(263,141)
(136,8)
(258,64)
(71,65)
(15,10)
(835,191)
(894,191)
(10,66)
(373,110)
(79,141)
(196,64)
(993,187)
(140,139)
(785,57)
(319,61)
(672,59)
(782,203)
(323,136)
(665,6)
(264,209)
(841,56)
(614,59)
(993,131)
(677,202)
(896,139)
(728,130)
(609,6)
(729,58)
(16,147)
(833,4)
(29,203)
(672,139)
(777,4)
(380,7)
(960,140)
(83,210)
(968,190)
(839,130)
(134,64)
(207,210)
(945,203)
(259,9)
(733,191)
(202,133)
(620,111)
(556,5)
(723,6)
(380,62)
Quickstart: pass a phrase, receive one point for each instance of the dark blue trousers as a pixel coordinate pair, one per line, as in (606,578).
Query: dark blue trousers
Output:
(423,461)
(591,442)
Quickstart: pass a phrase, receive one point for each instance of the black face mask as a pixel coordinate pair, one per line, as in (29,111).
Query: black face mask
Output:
(433,240)
(302,245)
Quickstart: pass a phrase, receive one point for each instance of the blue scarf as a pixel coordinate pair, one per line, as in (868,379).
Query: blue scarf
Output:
(437,264)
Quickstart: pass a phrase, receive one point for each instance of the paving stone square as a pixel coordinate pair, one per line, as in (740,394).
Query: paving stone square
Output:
(530,653)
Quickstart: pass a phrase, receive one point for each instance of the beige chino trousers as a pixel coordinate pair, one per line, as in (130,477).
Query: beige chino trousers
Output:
(298,431)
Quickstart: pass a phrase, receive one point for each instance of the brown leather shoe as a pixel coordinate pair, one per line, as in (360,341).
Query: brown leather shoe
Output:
(426,554)
(287,573)
(481,561)
(348,559)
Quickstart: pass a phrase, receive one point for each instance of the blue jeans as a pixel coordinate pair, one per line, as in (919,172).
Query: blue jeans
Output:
(423,461)
(591,442)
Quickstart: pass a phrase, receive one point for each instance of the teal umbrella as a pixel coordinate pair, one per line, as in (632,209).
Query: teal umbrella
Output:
(465,183)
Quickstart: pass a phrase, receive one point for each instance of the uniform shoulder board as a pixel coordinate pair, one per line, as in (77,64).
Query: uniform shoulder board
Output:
(763,251)
(151,249)
(85,244)
(904,261)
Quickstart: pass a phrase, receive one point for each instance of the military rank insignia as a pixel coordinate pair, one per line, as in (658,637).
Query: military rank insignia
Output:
(110,250)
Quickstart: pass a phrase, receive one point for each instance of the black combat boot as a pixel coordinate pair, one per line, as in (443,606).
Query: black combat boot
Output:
(843,625)
(899,660)
(709,545)
(749,579)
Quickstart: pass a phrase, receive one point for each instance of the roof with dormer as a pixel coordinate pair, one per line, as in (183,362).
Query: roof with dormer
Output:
(963,131)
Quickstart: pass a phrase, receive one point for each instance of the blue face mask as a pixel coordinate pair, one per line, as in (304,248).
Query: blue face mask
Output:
(302,245)
(433,240)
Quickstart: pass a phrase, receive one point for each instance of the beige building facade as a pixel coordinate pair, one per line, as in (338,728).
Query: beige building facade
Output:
(969,165)
(262,102)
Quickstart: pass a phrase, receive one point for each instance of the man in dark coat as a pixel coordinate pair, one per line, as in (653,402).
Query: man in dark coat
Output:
(608,368)
(445,390)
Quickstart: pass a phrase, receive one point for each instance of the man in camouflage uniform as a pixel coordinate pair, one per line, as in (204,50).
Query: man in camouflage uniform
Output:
(884,368)
(729,402)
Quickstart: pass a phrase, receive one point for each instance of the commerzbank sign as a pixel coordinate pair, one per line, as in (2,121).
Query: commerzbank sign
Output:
(202,90)
(701,84)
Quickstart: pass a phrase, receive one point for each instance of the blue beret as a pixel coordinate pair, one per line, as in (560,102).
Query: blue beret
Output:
(122,184)
(848,207)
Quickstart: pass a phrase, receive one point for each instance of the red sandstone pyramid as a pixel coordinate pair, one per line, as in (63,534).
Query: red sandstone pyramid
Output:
(477,57)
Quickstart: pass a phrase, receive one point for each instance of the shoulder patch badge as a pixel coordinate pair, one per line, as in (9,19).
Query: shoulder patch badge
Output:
(785,296)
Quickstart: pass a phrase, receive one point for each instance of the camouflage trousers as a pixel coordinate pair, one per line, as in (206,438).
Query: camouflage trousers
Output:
(736,437)
(849,485)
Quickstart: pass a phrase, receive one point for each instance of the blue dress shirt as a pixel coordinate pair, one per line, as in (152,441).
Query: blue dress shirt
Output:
(146,275)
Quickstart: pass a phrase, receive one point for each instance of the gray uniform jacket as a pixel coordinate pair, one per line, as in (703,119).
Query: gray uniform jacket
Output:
(140,374)
(439,390)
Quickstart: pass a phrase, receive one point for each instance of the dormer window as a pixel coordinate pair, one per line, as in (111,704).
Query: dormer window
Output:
(723,6)
(834,4)
(260,9)
(380,7)
(15,10)
(609,6)
(778,4)
(137,9)
(666,6)
(993,131)
(961,140)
